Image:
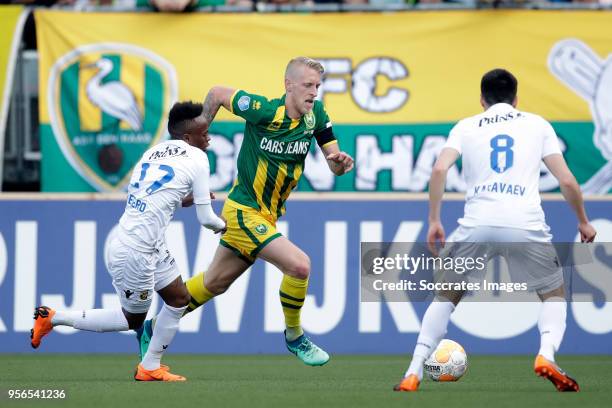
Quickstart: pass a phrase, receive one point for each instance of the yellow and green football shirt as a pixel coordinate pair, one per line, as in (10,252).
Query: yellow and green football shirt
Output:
(274,149)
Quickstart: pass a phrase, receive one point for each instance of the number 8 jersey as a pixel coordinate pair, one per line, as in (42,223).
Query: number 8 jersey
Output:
(502,151)
(165,174)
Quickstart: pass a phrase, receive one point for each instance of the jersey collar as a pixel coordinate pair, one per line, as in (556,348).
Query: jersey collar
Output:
(500,106)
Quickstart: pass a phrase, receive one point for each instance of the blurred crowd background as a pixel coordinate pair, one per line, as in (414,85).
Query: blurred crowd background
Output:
(191,5)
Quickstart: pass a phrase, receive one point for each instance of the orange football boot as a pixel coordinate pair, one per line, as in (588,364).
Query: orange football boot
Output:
(410,383)
(548,369)
(42,324)
(159,374)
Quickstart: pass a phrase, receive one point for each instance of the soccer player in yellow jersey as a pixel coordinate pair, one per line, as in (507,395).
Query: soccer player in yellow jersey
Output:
(277,138)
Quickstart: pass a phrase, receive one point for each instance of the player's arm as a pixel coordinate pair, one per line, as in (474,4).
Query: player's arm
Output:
(448,156)
(217,96)
(187,201)
(572,194)
(339,162)
(208,218)
(202,198)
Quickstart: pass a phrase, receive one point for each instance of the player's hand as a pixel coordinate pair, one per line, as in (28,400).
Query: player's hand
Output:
(187,201)
(435,234)
(212,195)
(343,160)
(587,232)
(221,230)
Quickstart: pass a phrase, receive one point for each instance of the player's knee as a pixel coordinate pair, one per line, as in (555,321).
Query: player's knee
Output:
(134,325)
(301,268)
(216,287)
(185,299)
(135,320)
(180,300)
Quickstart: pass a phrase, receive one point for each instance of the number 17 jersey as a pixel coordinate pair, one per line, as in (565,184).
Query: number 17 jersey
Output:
(165,174)
(502,151)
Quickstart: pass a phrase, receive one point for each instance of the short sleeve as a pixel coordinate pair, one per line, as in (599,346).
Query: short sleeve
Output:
(454,138)
(550,141)
(201,179)
(323,127)
(252,108)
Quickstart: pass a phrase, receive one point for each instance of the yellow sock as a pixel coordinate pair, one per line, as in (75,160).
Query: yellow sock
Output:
(292,294)
(199,293)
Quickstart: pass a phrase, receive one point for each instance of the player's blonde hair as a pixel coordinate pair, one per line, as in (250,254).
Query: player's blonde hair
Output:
(304,61)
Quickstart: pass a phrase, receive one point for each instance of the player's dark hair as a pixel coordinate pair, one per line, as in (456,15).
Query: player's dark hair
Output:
(179,116)
(498,86)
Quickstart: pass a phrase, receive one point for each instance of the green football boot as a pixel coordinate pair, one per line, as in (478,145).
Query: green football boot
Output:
(307,351)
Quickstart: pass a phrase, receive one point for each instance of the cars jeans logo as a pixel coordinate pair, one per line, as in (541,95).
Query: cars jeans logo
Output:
(107,105)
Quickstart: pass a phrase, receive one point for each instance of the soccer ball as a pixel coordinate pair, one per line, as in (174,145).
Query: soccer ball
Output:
(447,363)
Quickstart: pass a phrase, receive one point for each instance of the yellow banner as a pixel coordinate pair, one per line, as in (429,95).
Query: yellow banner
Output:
(382,68)
(9,15)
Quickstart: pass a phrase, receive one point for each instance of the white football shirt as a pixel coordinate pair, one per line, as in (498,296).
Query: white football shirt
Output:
(165,175)
(501,150)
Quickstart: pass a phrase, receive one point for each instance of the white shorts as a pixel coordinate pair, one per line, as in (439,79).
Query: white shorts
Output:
(137,274)
(530,255)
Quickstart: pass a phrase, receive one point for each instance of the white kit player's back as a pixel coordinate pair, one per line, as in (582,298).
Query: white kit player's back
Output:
(160,180)
(502,150)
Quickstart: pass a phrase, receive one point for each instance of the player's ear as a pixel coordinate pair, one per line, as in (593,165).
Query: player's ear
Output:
(287,84)
(482,102)
(515,102)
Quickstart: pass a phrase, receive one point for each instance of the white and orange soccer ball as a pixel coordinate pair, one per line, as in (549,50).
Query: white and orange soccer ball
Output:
(447,363)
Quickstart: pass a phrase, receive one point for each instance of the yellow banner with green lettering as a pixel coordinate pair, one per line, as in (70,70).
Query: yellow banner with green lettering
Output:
(395,84)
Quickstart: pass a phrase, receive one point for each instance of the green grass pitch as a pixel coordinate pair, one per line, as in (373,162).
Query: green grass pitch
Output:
(281,381)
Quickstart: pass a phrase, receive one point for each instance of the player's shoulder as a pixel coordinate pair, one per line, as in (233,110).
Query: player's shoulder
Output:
(465,124)
(252,101)
(174,152)
(161,150)
(255,108)
(318,106)
(196,153)
(534,117)
(538,123)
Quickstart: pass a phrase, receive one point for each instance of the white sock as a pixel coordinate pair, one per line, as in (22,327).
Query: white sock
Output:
(166,325)
(98,320)
(433,329)
(551,324)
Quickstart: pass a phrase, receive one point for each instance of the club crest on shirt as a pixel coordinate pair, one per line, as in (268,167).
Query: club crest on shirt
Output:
(144,295)
(261,229)
(309,120)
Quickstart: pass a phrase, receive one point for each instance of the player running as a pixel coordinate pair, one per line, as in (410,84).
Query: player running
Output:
(277,138)
(504,146)
(169,174)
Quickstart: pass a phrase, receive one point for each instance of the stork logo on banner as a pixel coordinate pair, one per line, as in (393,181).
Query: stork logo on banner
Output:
(582,70)
(108,103)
